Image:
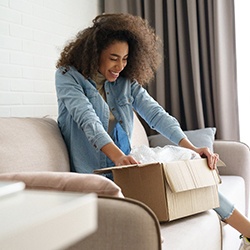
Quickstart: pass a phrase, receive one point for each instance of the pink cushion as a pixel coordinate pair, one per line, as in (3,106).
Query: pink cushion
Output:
(63,181)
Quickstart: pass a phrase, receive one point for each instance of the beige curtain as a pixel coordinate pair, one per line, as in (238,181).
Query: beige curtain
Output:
(196,82)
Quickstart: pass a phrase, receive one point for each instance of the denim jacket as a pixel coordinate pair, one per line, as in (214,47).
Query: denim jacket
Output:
(83,117)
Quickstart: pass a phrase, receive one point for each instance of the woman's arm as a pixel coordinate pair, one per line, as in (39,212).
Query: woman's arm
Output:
(72,96)
(212,158)
(117,156)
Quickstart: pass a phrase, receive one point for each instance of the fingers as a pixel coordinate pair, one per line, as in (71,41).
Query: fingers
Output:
(126,160)
(212,160)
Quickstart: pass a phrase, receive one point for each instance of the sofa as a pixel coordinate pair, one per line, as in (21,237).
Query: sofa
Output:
(33,151)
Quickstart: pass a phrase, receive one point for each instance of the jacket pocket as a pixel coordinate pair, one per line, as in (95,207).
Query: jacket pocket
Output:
(90,92)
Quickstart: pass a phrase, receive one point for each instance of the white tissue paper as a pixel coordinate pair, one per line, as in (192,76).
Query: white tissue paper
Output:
(145,154)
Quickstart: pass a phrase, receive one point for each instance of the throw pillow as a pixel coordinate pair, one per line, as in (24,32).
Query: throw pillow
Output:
(199,137)
(66,181)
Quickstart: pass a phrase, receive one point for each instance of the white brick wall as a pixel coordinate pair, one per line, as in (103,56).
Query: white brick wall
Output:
(32,33)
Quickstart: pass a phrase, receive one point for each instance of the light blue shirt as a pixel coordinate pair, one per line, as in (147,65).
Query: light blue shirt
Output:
(83,117)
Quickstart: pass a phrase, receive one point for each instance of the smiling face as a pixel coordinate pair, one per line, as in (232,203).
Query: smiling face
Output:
(113,60)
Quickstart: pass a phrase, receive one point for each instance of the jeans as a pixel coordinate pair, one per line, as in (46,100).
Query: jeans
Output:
(225,209)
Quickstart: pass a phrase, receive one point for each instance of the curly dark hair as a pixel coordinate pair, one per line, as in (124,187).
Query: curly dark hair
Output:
(84,50)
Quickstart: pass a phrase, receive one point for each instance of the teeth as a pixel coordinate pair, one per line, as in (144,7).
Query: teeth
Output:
(116,74)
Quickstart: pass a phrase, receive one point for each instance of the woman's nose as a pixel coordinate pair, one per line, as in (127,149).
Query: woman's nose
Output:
(120,66)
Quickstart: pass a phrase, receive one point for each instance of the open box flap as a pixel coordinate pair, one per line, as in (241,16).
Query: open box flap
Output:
(190,174)
(111,169)
(220,163)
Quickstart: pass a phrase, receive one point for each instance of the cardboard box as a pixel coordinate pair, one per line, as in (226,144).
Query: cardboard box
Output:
(172,190)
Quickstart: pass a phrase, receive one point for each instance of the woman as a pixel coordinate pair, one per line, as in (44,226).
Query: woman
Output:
(99,82)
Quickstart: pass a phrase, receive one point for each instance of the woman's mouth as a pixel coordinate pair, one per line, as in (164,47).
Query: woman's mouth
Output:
(114,74)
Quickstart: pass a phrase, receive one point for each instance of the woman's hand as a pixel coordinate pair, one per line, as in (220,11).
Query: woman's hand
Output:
(126,160)
(117,156)
(212,158)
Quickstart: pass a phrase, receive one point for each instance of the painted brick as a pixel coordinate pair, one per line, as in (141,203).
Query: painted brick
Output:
(10,70)
(10,98)
(21,85)
(21,58)
(45,25)
(36,2)
(51,15)
(4,56)
(48,38)
(4,28)
(5,84)
(21,31)
(10,15)
(34,22)
(32,35)
(33,99)
(37,74)
(7,42)
(21,5)
(45,111)
(44,86)
(44,62)
(5,111)
(22,111)
(50,99)
(41,49)
(63,6)
(4,3)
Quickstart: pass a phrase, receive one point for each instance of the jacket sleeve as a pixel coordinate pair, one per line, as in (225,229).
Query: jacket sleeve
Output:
(155,116)
(70,94)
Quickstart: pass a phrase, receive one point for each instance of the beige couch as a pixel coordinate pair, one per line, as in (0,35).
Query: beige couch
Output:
(32,150)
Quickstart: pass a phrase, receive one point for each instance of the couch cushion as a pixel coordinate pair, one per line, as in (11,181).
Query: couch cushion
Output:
(201,231)
(139,136)
(199,137)
(74,182)
(31,144)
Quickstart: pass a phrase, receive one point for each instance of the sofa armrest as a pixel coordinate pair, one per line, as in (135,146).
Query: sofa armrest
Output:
(123,224)
(236,156)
